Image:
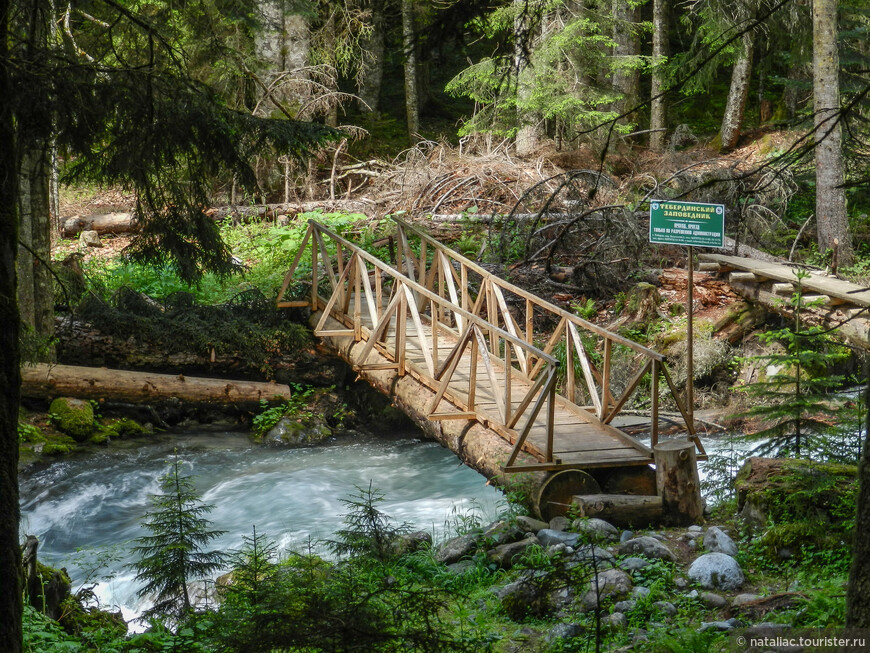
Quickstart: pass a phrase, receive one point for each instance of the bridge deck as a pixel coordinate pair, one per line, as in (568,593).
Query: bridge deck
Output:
(580,440)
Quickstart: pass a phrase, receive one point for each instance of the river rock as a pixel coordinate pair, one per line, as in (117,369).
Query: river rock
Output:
(411,542)
(459,568)
(611,583)
(294,433)
(550,537)
(694,528)
(666,607)
(505,554)
(616,620)
(530,524)
(717,541)
(526,596)
(625,536)
(457,548)
(648,547)
(625,606)
(596,529)
(502,532)
(590,554)
(633,564)
(731,624)
(565,631)
(640,592)
(712,600)
(716,571)
(742,599)
(559,523)
(75,417)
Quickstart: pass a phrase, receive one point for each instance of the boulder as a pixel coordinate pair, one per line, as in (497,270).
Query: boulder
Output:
(712,600)
(666,608)
(411,542)
(559,523)
(295,433)
(505,554)
(596,529)
(731,624)
(590,554)
(611,584)
(565,631)
(617,620)
(75,417)
(625,606)
(550,537)
(717,541)
(90,239)
(459,568)
(527,596)
(716,571)
(648,547)
(633,564)
(457,548)
(502,532)
(530,524)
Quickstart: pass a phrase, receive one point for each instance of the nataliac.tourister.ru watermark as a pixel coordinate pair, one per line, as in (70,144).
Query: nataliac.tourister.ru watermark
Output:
(779,639)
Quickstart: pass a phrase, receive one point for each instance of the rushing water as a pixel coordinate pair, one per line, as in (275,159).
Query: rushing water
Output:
(292,495)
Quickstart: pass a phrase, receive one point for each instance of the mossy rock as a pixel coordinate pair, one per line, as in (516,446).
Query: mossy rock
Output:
(297,433)
(124,428)
(798,501)
(58,448)
(75,417)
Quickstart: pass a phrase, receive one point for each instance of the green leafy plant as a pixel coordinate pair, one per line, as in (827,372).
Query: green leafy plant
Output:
(296,407)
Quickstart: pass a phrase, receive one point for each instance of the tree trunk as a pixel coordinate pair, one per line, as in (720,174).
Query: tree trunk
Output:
(658,118)
(283,42)
(49,381)
(621,509)
(11,605)
(373,64)
(732,121)
(858,591)
(626,76)
(832,224)
(409,44)
(527,141)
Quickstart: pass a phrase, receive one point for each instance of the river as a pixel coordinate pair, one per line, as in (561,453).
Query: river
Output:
(292,495)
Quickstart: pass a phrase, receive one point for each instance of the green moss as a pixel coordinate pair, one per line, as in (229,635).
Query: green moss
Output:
(57,449)
(74,417)
(30,433)
(124,427)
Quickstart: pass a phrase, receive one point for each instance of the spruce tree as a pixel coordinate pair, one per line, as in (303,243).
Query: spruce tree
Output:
(174,555)
(795,393)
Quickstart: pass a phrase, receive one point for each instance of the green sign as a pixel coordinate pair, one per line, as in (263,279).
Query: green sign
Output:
(687,223)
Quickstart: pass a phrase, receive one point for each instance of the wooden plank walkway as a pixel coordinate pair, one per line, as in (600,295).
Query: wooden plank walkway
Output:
(844,291)
(580,439)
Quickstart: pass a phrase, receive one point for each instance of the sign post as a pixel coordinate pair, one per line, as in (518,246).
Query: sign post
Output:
(690,224)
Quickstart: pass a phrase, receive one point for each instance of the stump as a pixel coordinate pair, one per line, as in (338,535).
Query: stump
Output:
(677,482)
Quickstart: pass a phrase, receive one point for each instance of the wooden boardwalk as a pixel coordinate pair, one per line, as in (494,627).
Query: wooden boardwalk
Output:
(470,338)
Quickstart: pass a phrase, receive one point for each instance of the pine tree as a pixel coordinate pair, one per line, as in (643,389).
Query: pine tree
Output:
(797,388)
(174,555)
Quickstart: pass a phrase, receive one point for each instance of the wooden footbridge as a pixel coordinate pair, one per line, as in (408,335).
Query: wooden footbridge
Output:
(486,351)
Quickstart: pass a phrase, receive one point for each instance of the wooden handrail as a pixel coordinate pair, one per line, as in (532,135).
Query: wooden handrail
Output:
(605,405)
(350,282)
(431,286)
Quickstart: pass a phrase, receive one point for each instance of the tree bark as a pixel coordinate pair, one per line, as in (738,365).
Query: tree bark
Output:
(49,381)
(11,605)
(373,65)
(658,115)
(732,121)
(409,44)
(527,141)
(831,220)
(858,591)
(626,77)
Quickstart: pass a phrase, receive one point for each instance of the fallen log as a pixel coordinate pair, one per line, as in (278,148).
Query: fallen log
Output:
(48,381)
(106,223)
(620,509)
